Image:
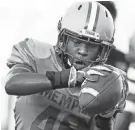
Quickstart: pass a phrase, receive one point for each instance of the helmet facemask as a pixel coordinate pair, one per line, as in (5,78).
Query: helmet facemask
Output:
(61,48)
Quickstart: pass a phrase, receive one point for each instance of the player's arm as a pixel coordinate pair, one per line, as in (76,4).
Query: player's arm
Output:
(22,80)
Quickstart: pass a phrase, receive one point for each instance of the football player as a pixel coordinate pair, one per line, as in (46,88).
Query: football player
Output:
(47,79)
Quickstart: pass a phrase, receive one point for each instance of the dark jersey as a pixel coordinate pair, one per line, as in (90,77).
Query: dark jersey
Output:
(49,110)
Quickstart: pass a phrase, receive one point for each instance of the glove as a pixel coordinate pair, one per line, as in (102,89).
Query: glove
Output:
(76,78)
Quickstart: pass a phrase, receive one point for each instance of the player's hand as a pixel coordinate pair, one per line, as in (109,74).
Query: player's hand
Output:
(76,78)
(109,113)
(117,109)
(92,73)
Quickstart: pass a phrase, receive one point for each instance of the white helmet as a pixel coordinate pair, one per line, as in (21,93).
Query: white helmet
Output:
(89,21)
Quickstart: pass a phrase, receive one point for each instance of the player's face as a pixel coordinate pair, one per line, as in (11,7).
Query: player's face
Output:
(82,52)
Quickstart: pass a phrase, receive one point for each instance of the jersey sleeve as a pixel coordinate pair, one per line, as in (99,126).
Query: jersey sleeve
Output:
(21,54)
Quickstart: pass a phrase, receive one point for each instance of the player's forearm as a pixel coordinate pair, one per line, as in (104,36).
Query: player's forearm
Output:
(23,81)
(27,83)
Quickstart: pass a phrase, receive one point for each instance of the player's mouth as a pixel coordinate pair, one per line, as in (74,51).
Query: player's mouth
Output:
(79,64)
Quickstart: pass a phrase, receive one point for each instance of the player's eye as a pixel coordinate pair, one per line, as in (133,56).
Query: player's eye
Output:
(93,45)
(75,41)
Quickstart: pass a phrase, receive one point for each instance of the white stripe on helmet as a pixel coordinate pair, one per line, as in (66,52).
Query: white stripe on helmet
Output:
(92,16)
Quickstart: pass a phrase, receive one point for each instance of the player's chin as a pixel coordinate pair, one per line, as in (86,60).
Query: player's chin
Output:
(79,66)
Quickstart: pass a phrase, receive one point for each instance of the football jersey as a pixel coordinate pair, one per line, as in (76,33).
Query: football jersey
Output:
(50,110)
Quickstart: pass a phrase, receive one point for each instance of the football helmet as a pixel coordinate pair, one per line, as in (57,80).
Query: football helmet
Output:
(90,22)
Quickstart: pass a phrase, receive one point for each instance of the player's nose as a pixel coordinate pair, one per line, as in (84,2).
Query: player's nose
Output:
(83,50)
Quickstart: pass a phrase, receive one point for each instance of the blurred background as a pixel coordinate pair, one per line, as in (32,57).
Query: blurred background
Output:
(38,19)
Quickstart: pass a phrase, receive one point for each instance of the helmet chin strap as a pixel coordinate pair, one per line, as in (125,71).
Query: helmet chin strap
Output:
(88,61)
(69,62)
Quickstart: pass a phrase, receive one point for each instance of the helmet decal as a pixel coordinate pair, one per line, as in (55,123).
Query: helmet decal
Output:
(89,33)
(92,17)
(97,17)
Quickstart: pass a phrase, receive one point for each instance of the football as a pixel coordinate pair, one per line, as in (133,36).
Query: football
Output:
(100,93)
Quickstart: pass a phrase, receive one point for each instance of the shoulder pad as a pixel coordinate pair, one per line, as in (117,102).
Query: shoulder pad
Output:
(39,49)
